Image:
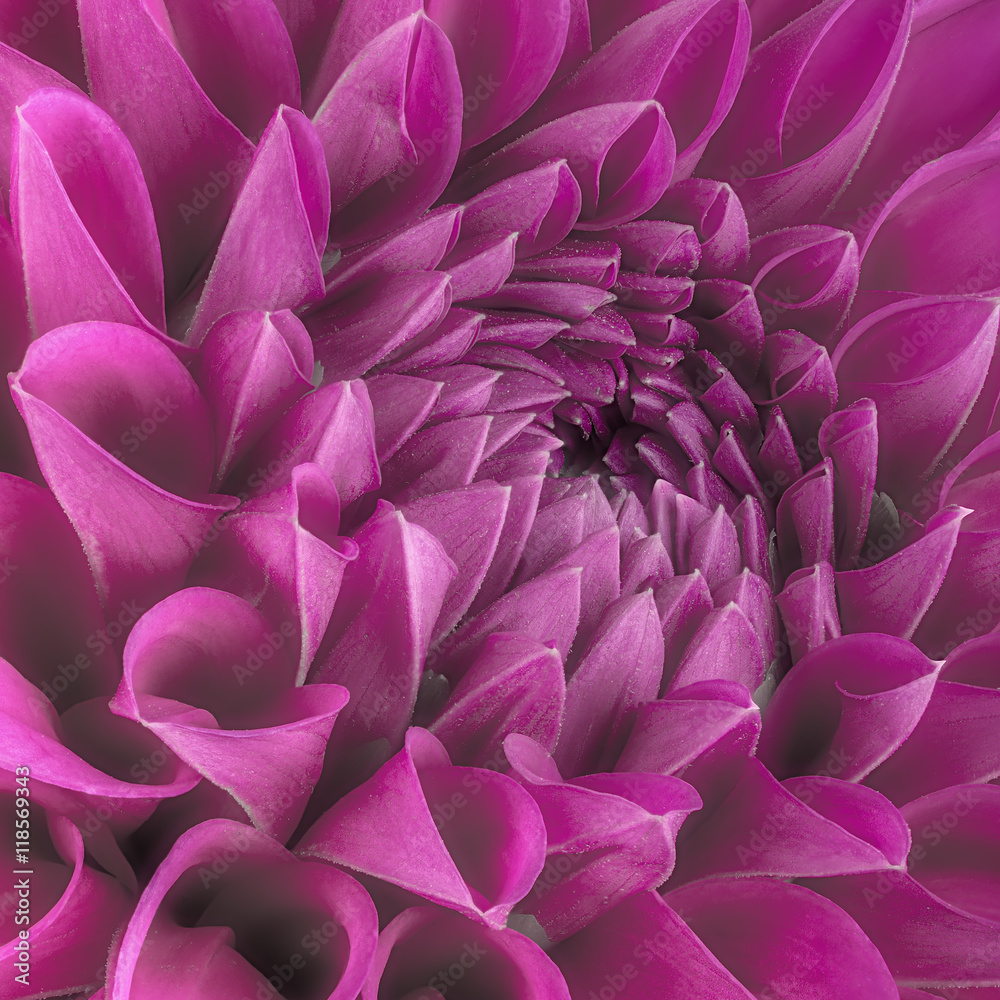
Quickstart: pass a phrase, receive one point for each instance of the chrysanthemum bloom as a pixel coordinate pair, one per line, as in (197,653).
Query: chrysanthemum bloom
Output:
(435,430)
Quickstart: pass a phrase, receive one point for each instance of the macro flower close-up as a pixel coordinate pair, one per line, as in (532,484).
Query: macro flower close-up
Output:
(500,499)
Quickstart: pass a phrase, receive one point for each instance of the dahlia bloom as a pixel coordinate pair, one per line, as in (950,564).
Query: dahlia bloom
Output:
(499,499)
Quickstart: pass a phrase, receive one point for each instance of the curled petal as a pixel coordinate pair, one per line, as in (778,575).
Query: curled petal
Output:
(80,208)
(222,890)
(849,439)
(669,961)
(902,356)
(212,679)
(21,75)
(937,922)
(601,697)
(541,205)
(804,827)
(798,127)
(241,56)
(515,685)
(422,943)
(75,908)
(254,366)
(281,552)
(332,427)
(140,439)
(883,596)
(47,622)
(662,57)
(382,624)
(928,239)
(846,706)
(391,128)
(790,939)
(468,522)
(805,277)
(609,836)
(955,739)
(703,733)
(377,321)
(620,154)
(476,852)
(506,55)
(808,605)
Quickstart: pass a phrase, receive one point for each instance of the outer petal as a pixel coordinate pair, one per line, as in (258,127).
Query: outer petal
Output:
(955,739)
(101,465)
(253,367)
(75,911)
(21,76)
(83,217)
(798,127)
(668,961)
(281,552)
(51,625)
(936,924)
(845,707)
(803,827)
(416,950)
(206,674)
(931,211)
(792,942)
(269,257)
(241,56)
(382,624)
(477,853)
(186,148)
(391,128)
(506,55)
(925,119)
(237,884)
(609,836)
(901,356)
